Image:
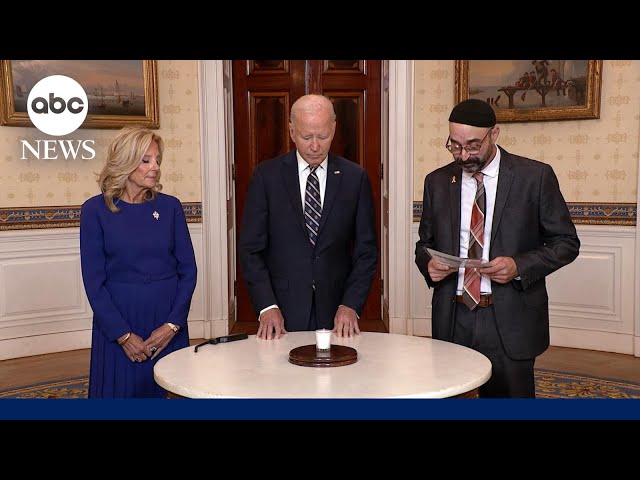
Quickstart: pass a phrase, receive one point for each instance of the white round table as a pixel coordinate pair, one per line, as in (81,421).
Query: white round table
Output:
(388,366)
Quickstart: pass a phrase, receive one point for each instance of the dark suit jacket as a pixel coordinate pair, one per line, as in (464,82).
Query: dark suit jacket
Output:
(531,224)
(279,263)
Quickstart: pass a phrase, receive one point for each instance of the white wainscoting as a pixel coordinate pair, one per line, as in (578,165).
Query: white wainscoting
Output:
(43,307)
(591,300)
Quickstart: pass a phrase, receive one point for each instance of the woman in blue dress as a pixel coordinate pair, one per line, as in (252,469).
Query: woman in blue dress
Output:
(138,268)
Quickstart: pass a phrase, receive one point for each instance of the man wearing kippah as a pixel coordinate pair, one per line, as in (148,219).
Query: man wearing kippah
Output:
(507,212)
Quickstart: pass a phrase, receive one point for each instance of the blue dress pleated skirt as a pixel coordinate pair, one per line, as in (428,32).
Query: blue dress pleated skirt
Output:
(146,306)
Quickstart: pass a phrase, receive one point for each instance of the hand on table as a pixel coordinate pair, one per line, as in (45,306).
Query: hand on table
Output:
(346,322)
(271,324)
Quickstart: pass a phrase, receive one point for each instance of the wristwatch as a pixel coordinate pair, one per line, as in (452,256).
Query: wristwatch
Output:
(174,327)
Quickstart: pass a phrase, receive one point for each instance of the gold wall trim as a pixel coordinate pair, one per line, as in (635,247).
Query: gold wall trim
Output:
(25,218)
(586,213)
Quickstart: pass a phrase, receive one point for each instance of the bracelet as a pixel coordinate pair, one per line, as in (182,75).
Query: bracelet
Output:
(173,327)
(125,339)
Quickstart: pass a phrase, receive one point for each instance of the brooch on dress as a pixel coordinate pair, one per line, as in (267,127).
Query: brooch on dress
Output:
(156,215)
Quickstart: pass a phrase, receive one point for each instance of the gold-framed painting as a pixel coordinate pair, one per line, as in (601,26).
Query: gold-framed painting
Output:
(533,90)
(119,92)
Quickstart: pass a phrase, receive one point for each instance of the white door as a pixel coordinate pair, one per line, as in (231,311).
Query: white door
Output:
(384,244)
(230,193)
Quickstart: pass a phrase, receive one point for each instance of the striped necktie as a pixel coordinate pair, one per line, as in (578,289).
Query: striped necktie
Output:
(312,205)
(471,293)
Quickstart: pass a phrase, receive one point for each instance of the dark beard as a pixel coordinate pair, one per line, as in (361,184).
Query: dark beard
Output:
(472,164)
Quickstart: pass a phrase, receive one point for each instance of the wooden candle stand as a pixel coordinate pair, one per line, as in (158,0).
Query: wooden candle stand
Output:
(336,356)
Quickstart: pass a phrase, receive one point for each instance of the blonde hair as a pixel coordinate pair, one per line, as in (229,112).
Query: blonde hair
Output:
(124,155)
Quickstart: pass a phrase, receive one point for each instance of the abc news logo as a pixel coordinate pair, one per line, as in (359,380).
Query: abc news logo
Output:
(57,105)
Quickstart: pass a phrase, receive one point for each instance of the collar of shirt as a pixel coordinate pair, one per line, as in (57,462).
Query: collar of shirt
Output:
(302,164)
(490,170)
(303,173)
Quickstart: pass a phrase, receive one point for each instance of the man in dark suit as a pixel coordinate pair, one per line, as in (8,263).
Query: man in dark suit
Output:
(308,245)
(515,216)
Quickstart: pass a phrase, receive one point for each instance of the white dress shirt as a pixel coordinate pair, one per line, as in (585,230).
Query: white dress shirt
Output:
(490,181)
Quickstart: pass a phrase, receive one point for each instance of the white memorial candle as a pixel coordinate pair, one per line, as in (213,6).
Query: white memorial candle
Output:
(323,339)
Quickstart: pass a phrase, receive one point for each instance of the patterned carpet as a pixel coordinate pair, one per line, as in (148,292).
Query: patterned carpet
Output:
(554,384)
(549,384)
(76,387)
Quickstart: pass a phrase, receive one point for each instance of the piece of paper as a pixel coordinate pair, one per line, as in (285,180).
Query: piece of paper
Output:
(455,262)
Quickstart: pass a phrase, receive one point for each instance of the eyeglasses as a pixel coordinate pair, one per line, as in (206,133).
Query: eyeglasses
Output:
(472,148)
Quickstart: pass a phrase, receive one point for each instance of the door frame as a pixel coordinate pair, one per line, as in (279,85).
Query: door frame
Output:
(214,137)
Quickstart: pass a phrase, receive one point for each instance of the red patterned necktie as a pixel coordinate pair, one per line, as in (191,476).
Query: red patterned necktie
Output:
(471,293)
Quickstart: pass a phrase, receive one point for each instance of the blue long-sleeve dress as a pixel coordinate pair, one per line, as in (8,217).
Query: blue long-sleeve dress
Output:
(139,271)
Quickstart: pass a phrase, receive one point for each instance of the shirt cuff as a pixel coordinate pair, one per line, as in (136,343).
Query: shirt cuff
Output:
(265,309)
(276,306)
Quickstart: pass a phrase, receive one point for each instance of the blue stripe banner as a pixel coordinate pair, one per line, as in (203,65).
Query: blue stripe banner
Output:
(320,409)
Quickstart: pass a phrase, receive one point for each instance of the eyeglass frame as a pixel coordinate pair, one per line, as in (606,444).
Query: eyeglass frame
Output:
(462,147)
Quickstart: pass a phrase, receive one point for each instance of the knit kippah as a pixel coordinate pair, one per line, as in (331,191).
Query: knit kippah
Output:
(473,112)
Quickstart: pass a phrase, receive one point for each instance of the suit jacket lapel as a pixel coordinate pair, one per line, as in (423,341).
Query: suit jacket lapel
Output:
(334,179)
(505,177)
(455,189)
(292,186)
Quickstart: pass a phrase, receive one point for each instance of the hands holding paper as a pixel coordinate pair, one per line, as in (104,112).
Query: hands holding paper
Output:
(438,270)
(500,269)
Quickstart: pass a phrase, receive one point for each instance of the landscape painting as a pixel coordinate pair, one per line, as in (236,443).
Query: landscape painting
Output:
(119,92)
(533,90)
